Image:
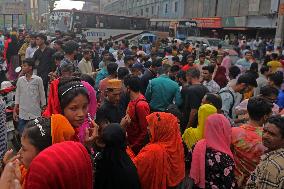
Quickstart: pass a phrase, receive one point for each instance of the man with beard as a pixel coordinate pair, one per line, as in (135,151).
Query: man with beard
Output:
(232,95)
(32,47)
(135,121)
(110,111)
(269,172)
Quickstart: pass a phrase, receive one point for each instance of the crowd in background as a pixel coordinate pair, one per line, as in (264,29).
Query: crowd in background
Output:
(159,116)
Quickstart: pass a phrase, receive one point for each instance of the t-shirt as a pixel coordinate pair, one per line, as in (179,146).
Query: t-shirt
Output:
(192,98)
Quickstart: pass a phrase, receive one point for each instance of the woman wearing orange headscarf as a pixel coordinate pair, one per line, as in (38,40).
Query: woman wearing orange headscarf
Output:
(160,164)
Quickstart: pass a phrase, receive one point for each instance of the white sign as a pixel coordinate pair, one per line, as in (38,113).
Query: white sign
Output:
(254,5)
(94,34)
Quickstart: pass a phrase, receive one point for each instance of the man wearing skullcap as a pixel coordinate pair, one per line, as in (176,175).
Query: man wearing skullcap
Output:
(111,111)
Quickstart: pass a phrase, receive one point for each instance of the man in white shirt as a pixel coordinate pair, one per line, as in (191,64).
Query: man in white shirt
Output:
(32,48)
(85,65)
(119,59)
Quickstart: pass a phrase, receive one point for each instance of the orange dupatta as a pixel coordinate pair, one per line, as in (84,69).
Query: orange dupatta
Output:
(61,129)
(164,156)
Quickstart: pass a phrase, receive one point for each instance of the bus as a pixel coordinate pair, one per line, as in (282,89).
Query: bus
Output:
(176,28)
(98,26)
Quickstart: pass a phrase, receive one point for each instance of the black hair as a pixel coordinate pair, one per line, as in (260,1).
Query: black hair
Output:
(156,64)
(234,71)
(58,56)
(175,59)
(66,68)
(248,52)
(70,46)
(209,68)
(181,74)
(127,58)
(202,55)
(112,68)
(68,89)
(42,36)
(134,47)
(122,73)
(164,69)
(29,62)
(133,82)
(57,31)
(277,78)
(254,110)
(88,78)
(59,42)
(215,100)
(254,67)
(175,68)
(190,56)
(193,73)
(247,78)
(278,121)
(274,56)
(264,69)
(38,132)
(267,91)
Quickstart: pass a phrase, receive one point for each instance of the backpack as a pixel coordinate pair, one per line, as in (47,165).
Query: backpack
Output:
(232,105)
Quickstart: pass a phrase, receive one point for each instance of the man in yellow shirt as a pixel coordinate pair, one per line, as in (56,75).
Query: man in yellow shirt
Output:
(274,64)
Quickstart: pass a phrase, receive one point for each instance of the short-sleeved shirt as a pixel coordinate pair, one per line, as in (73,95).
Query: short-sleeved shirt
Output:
(192,98)
(212,86)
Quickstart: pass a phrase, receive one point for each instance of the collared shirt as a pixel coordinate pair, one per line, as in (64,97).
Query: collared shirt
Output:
(30,96)
(228,100)
(243,64)
(120,63)
(30,52)
(86,67)
(269,173)
(212,86)
(161,92)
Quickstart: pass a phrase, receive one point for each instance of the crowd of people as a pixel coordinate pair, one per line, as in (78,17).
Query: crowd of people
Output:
(108,115)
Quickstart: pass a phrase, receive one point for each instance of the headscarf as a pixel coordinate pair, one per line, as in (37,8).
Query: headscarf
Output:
(115,168)
(192,135)
(61,129)
(65,165)
(218,137)
(53,105)
(161,163)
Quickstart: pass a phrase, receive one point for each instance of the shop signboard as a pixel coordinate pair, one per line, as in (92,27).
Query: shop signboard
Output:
(210,22)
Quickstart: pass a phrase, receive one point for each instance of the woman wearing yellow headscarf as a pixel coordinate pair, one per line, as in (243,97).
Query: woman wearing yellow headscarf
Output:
(192,135)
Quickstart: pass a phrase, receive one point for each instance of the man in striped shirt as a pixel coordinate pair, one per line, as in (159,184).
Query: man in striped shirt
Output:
(269,173)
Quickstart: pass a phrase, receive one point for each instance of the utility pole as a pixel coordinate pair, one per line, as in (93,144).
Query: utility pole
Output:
(280,25)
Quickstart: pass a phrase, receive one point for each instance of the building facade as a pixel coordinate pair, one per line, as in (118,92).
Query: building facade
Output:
(147,8)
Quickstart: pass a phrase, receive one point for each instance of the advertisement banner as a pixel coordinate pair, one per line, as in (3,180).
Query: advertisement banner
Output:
(211,22)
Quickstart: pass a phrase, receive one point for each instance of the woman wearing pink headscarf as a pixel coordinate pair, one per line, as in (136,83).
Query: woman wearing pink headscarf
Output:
(212,163)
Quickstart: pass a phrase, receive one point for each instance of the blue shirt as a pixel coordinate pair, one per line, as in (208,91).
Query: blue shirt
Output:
(280,99)
(103,73)
(161,92)
(243,64)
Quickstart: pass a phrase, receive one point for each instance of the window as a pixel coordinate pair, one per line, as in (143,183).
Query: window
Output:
(176,6)
(152,10)
(141,12)
(166,9)
(147,10)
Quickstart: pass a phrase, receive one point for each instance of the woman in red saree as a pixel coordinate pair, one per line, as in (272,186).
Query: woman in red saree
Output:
(160,164)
